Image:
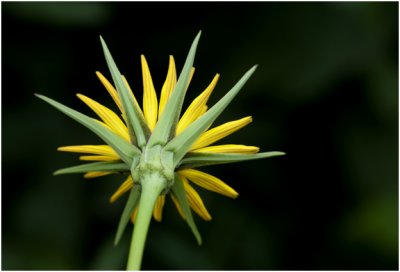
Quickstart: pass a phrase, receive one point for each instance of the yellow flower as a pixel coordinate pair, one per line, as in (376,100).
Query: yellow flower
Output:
(152,109)
(158,147)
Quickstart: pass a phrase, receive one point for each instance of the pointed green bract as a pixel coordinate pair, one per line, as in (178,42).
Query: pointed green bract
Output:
(194,160)
(125,150)
(136,121)
(94,167)
(182,143)
(165,127)
(180,194)
(132,202)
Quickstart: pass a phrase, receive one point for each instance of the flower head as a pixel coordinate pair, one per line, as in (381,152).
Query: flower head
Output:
(157,147)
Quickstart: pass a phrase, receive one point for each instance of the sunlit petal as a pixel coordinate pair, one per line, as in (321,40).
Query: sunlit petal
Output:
(208,182)
(229,148)
(196,108)
(108,116)
(96,174)
(103,150)
(111,90)
(125,187)
(220,132)
(98,158)
(150,104)
(195,201)
(168,86)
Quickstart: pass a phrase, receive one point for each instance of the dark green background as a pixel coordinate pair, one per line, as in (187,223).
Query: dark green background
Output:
(325,92)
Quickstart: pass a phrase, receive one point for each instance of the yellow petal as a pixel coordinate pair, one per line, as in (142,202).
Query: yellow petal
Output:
(168,86)
(220,132)
(229,148)
(191,74)
(98,158)
(208,182)
(125,187)
(157,212)
(158,208)
(196,108)
(103,150)
(111,90)
(203,110)
(195,201)
(150,104)
(96,174)
(108,116)
(178,207)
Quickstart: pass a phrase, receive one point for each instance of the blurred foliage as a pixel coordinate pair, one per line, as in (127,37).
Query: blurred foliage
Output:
(325,92)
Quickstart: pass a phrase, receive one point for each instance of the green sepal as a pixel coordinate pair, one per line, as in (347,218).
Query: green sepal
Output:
(167,160)
(182,143)
(165,127)
(194,160)
(131,204)
(124,150)
(136,121)
(179,191)
(94,166)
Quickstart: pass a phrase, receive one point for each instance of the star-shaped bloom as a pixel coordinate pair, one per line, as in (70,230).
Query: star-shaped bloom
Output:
(158,148)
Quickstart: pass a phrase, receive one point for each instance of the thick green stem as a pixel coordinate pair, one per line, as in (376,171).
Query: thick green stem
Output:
(152,185)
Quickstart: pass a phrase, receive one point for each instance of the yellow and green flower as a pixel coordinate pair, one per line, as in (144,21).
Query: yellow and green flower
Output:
(159,148)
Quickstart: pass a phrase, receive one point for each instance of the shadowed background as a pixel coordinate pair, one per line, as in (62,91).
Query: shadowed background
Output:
(325,92)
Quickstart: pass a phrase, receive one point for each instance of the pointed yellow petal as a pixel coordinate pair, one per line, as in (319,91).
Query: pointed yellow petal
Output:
(168,86)
(208,182)
(178,207)
(96,174)
(158,208)
(196,108)
(108,116)
(220,132)
(103,150)
(195,201)
(111,90)
(98,158)
(150,104)
(114,94)
(203,110)
(229,148)
(191,75)
(125,187)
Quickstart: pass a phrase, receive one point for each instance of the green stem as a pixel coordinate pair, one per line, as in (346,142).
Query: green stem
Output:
(152,186)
